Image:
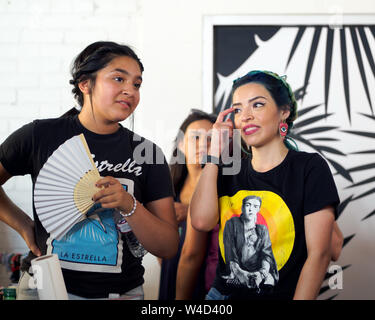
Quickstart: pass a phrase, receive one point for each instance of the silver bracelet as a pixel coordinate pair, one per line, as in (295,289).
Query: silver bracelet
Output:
(133,210)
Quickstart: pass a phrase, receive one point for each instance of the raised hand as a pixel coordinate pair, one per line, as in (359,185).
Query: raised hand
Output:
(222,131)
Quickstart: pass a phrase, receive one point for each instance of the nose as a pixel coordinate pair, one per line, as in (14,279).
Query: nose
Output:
(247,114)
(128,89)
(201,142)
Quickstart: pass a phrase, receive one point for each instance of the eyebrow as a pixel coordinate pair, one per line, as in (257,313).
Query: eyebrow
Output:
(250,100)
(125,72)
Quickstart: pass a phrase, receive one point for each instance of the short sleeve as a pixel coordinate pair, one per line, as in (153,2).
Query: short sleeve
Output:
(320,188)
(158,179)
(17,150)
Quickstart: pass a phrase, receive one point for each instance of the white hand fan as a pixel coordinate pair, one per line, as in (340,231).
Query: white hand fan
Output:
(65,186)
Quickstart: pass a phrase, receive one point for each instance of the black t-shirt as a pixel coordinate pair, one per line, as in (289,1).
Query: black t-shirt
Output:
(262,246)
(94,257)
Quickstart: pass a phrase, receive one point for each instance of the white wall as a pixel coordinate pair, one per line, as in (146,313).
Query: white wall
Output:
(39,39)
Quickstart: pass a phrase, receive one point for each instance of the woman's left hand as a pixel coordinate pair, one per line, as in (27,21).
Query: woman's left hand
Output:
(113,195)
(154,224)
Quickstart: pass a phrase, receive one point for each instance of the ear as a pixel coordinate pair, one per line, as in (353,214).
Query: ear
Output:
(85,86)
(181,145)
(285,113)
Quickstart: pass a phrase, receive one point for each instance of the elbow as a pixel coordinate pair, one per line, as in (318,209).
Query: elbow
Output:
(203,219)
(203,225)
(200,225)
(168,255)
(170,247)
(335,257)
(336,249)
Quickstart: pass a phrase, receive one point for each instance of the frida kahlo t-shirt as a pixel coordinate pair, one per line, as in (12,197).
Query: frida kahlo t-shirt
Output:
(262,246)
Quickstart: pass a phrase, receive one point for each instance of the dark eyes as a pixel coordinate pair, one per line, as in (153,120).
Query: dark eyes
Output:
(255,105)
(118,79)
(258,104)
(121,80)
(197,137)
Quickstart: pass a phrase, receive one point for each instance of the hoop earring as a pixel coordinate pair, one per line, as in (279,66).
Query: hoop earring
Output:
(283,129)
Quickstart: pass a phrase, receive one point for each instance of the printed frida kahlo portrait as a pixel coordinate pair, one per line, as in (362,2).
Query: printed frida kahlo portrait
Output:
(248,249)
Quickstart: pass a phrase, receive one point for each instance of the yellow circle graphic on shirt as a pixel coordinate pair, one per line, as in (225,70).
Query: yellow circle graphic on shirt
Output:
(274,214)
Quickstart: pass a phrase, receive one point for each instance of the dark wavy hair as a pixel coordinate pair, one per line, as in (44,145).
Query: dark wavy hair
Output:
(179,170)
(93,58)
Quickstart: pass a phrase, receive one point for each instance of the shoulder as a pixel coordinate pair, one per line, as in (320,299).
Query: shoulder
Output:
(45,124)
(304,156)
(317,175)
(27,132)
(43,128)
(307,159)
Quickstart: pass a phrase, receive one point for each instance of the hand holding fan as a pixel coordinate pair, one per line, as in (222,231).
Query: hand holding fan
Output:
(65,186)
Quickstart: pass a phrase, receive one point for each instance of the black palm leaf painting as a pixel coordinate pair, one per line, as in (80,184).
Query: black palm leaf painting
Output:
(332,72)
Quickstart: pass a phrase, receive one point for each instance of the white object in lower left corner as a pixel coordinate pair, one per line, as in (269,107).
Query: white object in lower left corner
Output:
(48,278)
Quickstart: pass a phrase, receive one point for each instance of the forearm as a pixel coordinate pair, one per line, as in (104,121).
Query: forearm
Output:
(312,276)
(204,208)
(187,275)
(157,236)
(12,215)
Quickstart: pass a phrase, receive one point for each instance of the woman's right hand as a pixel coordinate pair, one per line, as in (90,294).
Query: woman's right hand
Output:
(28,235)
(222,131)
(14,217)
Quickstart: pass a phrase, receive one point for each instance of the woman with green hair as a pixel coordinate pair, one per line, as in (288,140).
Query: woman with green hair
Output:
(299,196)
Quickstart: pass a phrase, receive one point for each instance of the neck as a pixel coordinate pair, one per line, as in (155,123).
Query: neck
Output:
(194,172)
(95,124)
(267,157)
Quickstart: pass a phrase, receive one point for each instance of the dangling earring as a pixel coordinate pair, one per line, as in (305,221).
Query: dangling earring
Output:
(283,129)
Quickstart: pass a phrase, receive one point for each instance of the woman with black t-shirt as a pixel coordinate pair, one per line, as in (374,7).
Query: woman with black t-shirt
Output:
(96,258)
(297,200)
